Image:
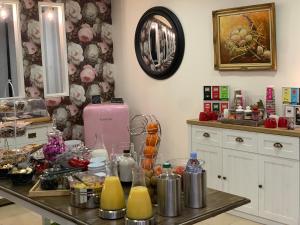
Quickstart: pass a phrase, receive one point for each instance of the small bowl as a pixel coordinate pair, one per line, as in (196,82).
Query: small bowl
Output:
(21,178)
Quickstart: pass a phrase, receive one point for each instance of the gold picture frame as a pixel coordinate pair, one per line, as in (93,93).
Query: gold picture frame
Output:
(245,38)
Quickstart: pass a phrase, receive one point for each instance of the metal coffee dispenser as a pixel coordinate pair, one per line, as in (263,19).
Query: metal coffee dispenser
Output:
(194,183)
(169,192)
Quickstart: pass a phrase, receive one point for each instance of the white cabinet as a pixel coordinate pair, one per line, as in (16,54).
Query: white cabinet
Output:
(213,163)
(279,189)
(240,171)
(261,167)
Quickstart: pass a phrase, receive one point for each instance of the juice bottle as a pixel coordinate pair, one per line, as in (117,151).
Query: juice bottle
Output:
(139,206)
(112,196)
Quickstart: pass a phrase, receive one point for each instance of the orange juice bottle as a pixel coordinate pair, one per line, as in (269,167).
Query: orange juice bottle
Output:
(112,195)
(139,205)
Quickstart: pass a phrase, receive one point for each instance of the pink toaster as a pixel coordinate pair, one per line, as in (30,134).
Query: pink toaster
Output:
(109,123)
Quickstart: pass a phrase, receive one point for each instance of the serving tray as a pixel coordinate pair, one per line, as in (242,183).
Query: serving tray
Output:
(36,191)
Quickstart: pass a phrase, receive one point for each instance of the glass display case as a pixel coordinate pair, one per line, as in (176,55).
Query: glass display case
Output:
(22,109)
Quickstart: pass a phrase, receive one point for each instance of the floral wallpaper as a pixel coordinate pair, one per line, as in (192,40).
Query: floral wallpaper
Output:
(89,47)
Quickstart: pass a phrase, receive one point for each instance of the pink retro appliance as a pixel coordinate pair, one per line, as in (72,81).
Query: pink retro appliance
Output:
(110,122)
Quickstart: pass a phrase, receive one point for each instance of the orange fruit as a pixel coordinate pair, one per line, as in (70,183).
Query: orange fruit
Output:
(152,128)
(149,151)
(147,163)
(157,170)
(152,139)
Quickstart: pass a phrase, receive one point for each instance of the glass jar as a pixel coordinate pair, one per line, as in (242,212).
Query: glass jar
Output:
(126,164)
(139,196)
(112,195)
(239,113)
(248,113)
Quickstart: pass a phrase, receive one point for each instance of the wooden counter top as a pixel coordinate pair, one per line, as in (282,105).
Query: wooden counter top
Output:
(217,202)
(261,129)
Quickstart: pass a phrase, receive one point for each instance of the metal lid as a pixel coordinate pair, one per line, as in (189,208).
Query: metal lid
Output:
(112,214)
(150,221)
(166,165)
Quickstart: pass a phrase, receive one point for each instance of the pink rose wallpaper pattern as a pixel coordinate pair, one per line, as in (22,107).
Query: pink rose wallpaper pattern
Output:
(89,48)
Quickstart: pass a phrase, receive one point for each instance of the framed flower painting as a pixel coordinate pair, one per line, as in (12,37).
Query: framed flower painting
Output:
(245,38)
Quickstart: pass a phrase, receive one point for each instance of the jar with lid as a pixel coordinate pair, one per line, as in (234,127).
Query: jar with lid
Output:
(126,163)
(248,113)
(239,113)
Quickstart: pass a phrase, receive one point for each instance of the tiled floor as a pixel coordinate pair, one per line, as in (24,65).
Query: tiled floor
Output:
(227,219)
(14,214)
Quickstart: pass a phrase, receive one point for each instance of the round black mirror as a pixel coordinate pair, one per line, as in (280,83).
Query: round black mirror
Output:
(159,43)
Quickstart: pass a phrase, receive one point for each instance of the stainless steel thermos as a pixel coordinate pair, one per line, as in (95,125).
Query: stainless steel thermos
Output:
(194,185)
(169,195)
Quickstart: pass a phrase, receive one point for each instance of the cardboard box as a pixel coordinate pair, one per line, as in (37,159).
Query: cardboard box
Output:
(294,96)
(286,95)
(224,92)
(215,92)
(207,107)
(207,92)
(216,107)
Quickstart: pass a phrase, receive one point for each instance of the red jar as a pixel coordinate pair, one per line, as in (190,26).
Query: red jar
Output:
(282,122)
(270,123)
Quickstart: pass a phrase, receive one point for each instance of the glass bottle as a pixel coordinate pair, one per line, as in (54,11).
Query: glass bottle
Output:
(112,195)
(99,152)
(139,206)
(126,164)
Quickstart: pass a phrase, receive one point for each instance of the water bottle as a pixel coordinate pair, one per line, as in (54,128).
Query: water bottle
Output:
(194,183)
(193,165)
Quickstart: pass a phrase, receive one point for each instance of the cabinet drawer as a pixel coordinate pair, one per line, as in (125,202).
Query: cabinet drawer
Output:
(240,140)
(280,146)
(206,136)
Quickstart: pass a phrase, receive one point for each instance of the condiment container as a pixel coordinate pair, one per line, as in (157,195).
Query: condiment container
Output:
(168,192)
(239,113)
(85,193)
(49,182)
(139,196)
(126,163)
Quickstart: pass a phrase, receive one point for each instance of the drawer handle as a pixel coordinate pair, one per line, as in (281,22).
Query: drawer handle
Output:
(207,135)
(239,140)
(219,177)
(260,186)
(224,178)
(31,135)
(278,145)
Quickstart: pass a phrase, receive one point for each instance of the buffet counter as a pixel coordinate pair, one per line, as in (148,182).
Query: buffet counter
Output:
(58,208)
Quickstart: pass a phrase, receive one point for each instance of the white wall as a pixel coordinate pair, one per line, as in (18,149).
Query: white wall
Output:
(180,97)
